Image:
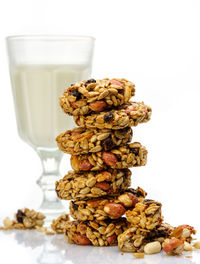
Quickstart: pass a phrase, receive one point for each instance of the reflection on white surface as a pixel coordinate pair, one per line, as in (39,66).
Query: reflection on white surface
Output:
(38,248)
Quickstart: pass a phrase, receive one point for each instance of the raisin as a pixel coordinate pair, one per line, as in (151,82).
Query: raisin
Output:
(107,143)
(135,151)
(20,216)
(75,206)
(108,118)
(90,81)
(72,84)
(75,93)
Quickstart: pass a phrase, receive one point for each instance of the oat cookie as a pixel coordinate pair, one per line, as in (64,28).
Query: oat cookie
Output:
(112,207)
(130,155)
(83,141)
(92,184)
(127,115)
(93,96)
(96,233)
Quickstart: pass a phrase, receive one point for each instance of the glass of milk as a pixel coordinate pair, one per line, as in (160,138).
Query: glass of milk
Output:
(41,67)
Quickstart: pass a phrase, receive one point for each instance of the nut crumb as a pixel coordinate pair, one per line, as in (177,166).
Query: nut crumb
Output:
(138,255)
(197,245)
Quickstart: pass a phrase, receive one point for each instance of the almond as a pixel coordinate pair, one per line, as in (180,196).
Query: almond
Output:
(103,186)
(109,158)
(85,165)
(111,239)
(117,83)
(81,239)
(97,106)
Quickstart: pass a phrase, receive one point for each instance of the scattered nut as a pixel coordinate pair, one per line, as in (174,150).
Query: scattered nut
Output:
(115,210)
(7,222)
(138,255)
(197,245)
(187,246)
(173,246)
(152,248)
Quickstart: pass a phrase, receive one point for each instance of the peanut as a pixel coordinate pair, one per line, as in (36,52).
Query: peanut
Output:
(81,239)
(98,106)
(109,158)
(85,165)
(187,246)
(103,185)
(117,83)
(7,222)
(130,108)
(197,245)
(115,210)
(104,176)
(128,199)
(152,248)
(173,246)
(111,239)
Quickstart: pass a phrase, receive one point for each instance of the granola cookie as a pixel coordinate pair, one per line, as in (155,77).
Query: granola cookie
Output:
(112,207)
(92,184)
(83,141)
(145,215)
(96,233)
(93,96)
(127,115)
(130,155)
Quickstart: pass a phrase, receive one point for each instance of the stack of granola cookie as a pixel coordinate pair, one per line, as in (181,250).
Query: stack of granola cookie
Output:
(100,157)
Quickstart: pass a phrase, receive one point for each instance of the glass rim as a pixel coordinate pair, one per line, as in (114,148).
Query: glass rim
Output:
(49,37)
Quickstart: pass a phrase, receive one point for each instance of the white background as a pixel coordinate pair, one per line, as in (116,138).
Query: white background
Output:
(156,44)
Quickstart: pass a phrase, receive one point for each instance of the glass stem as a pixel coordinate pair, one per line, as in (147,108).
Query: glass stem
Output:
(51,205)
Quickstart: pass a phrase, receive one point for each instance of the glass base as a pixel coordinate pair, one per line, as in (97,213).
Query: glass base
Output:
(51,208)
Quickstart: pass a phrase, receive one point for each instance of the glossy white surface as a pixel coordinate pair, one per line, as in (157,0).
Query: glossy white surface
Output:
(19,246)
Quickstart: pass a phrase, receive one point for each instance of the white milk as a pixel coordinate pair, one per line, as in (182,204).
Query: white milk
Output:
(36,91)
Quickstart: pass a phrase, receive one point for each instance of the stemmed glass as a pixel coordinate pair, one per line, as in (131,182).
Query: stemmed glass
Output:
(40,68)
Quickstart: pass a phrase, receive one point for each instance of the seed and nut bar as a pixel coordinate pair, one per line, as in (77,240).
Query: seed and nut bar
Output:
(146,215)
(130,155)
(112,207)
(58,224)
(127,115)
(82,141)
(24,219)
(135,238)
(91,96)
(92,184)
(96,233)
